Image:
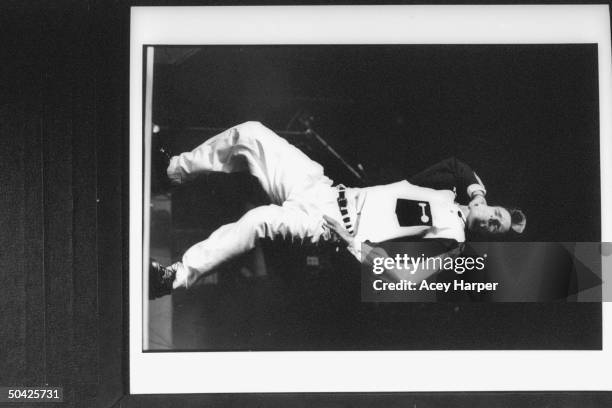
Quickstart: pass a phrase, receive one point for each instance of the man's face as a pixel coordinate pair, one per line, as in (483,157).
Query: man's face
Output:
(488,220)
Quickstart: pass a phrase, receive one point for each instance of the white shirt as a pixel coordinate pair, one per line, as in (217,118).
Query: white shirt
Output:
(402,209)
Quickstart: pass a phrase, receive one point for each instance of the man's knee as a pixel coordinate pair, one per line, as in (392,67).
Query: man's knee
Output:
(253,130)
(250,127)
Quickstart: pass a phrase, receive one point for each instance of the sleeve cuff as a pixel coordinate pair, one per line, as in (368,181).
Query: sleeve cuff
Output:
(475,188)
(478,186)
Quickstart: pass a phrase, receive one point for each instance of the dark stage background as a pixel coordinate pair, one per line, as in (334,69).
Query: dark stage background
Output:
(524,117)
(63,116)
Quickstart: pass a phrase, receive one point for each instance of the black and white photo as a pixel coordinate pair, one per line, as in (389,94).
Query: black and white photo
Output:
(304,196)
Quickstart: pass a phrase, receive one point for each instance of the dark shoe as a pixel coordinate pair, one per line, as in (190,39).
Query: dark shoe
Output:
(160,279)
(160,160)
(165,155)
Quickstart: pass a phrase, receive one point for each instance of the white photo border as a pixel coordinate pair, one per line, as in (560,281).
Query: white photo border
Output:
(363,371)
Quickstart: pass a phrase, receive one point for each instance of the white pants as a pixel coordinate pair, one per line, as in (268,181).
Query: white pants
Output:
(299,191)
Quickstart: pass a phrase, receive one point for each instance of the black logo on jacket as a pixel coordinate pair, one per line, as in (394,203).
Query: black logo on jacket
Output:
(413,213)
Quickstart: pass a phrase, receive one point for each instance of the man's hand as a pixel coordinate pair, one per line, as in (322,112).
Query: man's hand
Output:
(477,199)
(339,233)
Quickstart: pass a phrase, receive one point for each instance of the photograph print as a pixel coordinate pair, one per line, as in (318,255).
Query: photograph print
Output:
(310,197)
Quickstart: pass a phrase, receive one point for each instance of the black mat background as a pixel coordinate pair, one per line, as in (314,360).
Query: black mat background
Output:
(63,123)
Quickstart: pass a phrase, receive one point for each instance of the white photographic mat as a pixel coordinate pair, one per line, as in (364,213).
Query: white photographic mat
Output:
(359,371)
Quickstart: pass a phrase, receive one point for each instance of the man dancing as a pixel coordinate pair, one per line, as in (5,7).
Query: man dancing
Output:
(306,207)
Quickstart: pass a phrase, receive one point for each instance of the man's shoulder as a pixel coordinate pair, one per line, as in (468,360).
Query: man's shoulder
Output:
(407,190)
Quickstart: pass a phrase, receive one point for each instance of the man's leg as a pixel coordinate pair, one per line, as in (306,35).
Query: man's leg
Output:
(281,168)
(233,239)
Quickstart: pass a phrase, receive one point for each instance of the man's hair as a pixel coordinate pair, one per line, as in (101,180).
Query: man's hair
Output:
(518,220)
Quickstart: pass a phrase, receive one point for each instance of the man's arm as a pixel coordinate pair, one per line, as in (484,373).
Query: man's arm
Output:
(415,273)
(451,174)
(366,253)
